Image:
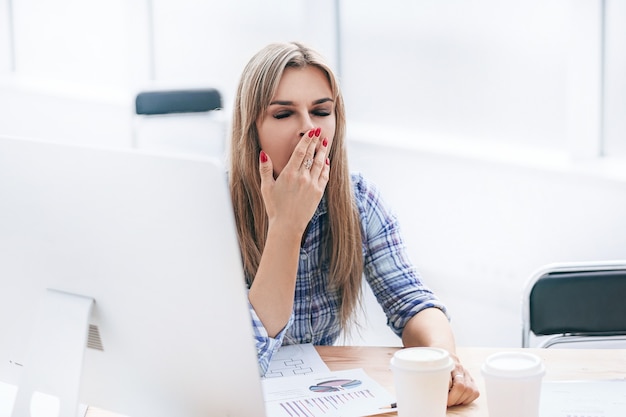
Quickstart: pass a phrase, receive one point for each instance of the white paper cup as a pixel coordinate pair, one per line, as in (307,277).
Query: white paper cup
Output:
(421,378)
(513,384)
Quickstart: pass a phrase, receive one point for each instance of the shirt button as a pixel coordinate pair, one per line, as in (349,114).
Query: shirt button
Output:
(303,256)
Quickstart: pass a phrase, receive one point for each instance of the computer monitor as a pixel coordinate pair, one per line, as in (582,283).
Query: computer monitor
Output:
(136,256)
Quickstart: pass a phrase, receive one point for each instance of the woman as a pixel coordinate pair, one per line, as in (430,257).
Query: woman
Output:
(309,231)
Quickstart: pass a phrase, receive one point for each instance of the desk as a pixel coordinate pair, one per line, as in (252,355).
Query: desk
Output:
(561,364)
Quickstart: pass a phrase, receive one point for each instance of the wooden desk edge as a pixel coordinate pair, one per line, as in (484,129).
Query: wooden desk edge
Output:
(561,364)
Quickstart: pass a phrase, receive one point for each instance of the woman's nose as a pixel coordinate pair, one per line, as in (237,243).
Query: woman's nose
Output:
(307,127)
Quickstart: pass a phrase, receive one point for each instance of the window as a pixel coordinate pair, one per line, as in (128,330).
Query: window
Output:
(489,72)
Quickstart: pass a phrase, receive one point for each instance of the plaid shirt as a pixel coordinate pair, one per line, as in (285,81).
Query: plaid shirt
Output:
(392,277)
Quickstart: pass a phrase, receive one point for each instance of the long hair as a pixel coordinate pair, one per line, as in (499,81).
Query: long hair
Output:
(342,241)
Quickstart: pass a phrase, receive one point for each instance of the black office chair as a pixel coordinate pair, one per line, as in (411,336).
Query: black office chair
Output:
(180,121)
(178,101)
(575,302)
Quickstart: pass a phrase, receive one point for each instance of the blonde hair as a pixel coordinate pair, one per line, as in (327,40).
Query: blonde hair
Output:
(342,241)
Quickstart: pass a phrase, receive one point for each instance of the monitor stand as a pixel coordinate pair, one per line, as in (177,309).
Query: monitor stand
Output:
(50,380)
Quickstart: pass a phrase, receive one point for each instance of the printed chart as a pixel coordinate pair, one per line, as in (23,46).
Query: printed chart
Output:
(292,360)
(333,394)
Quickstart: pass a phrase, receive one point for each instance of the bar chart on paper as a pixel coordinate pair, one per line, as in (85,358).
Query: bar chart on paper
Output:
(299,384)
(333,394)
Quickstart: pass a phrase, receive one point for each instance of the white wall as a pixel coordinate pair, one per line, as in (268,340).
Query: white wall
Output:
(6,40)
(615,80)
(62,113)
(478,227)
(488,70)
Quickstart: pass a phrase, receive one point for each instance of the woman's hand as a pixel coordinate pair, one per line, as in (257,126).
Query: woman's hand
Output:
(430,327)
(292,198)
(463,389)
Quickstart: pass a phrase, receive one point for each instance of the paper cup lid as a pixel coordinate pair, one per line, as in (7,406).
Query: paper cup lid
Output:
(422,358)
(513,365)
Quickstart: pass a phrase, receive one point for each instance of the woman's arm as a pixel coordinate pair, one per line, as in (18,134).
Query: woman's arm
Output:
(430,327)
(290,201)
(272,291)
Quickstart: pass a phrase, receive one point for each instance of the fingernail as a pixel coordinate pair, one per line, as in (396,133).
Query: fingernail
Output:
(311,133)
(263,157)
(325,142)
(327,161)
(318,131)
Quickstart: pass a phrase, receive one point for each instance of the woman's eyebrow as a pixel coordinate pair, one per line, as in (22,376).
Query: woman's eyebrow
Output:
(281,103)
(323,100)
(290,103)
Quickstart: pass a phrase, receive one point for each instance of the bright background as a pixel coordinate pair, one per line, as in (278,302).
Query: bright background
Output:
(496,129)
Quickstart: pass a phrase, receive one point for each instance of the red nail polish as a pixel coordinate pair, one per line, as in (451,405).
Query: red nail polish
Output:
(327,161)
(325,142)
(263,157)
(318,131)
(311,133)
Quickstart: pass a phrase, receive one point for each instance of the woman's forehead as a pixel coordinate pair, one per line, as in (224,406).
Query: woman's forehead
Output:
(308,83)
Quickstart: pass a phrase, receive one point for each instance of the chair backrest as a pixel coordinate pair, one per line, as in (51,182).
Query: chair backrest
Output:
(178,101)
(184,121)
(575,302)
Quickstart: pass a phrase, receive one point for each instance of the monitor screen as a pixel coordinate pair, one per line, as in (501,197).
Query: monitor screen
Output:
(122,284)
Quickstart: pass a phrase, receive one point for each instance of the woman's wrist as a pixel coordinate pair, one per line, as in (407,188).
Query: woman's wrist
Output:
(286,231)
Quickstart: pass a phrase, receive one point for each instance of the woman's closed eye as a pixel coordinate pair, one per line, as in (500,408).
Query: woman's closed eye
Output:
(282,114)
(318,113)
(321,113)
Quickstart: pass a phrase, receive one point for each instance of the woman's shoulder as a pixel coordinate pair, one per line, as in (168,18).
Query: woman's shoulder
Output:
(360,182)
(375,215)
(365,191)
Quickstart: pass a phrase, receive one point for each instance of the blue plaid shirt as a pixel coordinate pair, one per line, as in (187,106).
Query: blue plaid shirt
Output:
(394,280)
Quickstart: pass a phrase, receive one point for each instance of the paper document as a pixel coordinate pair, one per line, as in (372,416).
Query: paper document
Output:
(588,398)
(349,393)
(293,360)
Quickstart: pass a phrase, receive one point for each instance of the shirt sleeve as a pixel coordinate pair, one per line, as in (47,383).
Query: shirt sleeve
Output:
(265,345)
(394,279)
